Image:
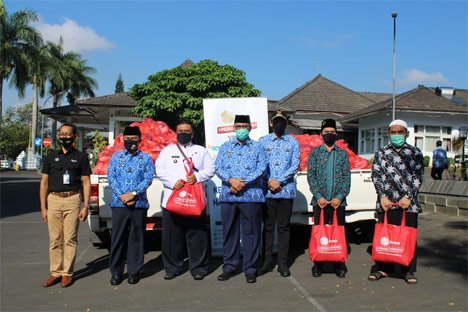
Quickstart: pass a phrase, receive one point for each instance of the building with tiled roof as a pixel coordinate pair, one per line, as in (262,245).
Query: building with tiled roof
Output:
(431,115)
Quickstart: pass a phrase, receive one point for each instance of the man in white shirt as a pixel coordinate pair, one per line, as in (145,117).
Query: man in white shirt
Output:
(177,229)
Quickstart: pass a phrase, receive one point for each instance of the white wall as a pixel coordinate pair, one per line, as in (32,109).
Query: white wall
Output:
(383,119)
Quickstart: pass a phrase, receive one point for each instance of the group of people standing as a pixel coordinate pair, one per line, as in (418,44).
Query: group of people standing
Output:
(258,187)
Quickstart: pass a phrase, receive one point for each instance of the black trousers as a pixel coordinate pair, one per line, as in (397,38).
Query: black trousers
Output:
(436,173)
(179,230)
(277,212)
(249,217)
(127,240)
(329,212)
(394,217)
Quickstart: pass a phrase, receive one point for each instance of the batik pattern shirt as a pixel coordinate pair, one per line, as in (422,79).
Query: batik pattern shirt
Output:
(329,174)
(247,161)
(283,163)
(396,174)
(128,173)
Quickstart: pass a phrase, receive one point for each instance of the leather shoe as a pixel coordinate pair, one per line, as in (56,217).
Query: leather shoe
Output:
(340,273)
(67,280)
(52,280)
(284,270)
(316,272)
(198,276)
(116,280)
(250,278)
(133,279)
(264,269)
(170,275)
(225,276)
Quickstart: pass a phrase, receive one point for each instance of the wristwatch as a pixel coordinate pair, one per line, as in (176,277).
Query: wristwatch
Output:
(134,193)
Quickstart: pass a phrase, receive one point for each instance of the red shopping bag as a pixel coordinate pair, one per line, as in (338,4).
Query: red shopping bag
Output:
(188,200)
(328,242)
(394,243)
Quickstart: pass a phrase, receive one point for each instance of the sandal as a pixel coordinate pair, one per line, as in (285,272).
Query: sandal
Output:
(411,279)
(376,276)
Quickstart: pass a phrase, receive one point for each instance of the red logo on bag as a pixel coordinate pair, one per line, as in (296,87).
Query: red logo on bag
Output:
(323,241)
(384,241)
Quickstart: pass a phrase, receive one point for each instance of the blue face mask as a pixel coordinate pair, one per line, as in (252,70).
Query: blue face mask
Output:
(398,140)
(242,134)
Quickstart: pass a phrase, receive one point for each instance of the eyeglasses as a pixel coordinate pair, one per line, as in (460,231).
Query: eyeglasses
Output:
(238,127)
(184,131)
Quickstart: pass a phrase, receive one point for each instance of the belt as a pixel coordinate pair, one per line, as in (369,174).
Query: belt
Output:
(65,194)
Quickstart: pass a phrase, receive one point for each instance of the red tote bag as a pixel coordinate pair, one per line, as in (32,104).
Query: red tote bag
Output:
(394,243)
(189,200)
(328,242)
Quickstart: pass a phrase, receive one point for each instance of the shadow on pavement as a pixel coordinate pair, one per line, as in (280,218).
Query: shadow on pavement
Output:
(93,267)
(13,195)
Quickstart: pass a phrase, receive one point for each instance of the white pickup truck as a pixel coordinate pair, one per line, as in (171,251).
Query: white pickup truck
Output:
(361,204)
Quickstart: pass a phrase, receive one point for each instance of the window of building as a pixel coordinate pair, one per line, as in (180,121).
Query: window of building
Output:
(367,141)
(427,136)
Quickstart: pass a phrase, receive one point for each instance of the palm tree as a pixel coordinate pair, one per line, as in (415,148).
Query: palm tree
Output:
(18,40)
(71,75)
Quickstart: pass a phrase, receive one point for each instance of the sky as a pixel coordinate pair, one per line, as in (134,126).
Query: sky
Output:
(280,45)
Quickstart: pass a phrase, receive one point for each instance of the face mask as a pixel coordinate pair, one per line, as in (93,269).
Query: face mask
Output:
(66,142)
(329,139)
(398,140)
(184,138)
(279,127)
(242,134)
(131,146)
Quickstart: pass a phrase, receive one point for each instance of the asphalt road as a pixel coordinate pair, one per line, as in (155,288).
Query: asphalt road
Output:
(442,272)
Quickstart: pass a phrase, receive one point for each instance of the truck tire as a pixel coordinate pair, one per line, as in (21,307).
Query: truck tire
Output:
(100,239)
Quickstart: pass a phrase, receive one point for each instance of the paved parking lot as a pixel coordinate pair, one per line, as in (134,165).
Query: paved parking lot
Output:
(442,272)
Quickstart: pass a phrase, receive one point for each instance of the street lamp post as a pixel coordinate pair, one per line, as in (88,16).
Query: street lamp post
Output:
(463,134)
(394,15)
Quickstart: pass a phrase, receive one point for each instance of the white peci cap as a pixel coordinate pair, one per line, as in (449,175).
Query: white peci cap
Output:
(398,122)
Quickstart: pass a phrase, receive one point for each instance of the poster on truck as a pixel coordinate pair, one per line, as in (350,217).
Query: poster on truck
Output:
(219,128)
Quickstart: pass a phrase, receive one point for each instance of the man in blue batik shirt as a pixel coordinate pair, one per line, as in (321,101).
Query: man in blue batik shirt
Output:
(439,161)
(241,164)
(283,162)
(129,175)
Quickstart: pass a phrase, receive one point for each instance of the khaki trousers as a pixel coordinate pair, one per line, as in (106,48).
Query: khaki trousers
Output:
(62,220)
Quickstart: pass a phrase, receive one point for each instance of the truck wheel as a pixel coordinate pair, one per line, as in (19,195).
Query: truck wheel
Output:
(100,239)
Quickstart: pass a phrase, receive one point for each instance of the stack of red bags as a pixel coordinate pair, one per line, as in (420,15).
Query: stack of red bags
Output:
(309,142)
(155,135)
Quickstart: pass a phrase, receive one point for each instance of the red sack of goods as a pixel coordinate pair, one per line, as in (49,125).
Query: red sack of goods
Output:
(189,200)
(394,243)
(155,135)
(328,242)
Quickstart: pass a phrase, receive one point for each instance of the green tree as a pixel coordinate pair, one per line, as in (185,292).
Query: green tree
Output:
(71,75)
(179,92)
(14,132)
(119,85)
(18,42)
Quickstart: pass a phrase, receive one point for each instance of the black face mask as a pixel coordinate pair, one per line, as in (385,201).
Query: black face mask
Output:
(329,139)
(184,138)
(131,146)
(279,127)
(66,142)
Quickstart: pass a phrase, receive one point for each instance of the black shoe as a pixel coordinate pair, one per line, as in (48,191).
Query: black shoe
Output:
(264,269)
(133,279)
(170,275)
(225,276)
(316,271)
(340,273)
(284,270)
(116,280)
(250,278)
(198,276)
